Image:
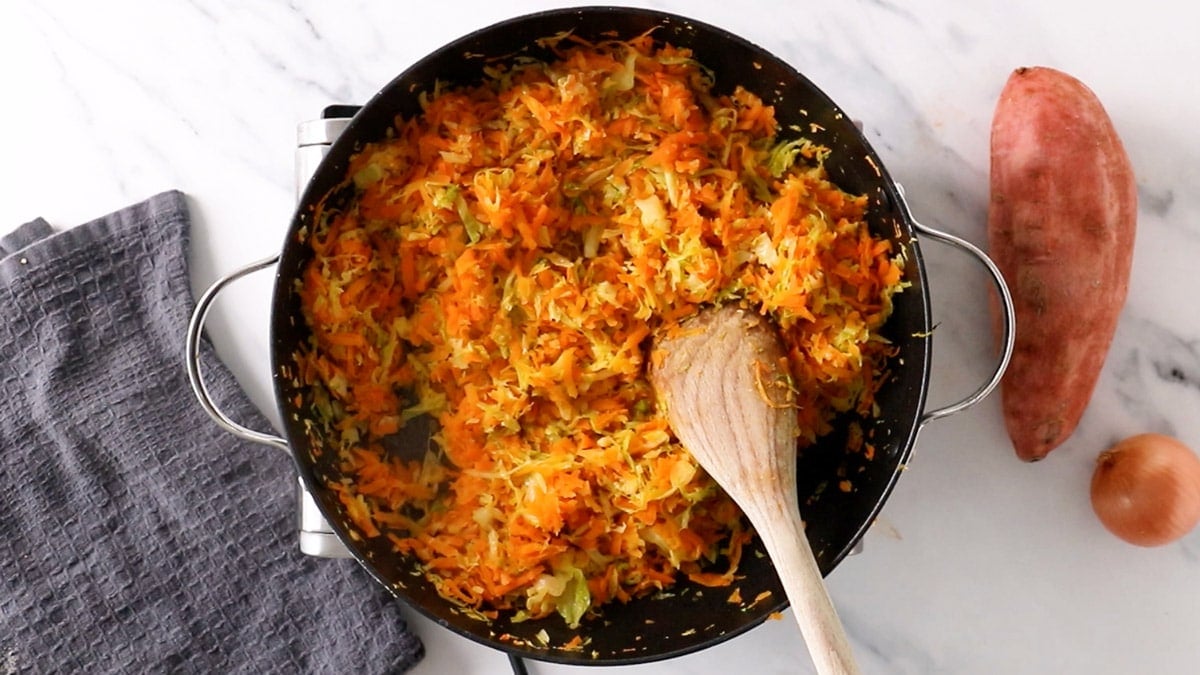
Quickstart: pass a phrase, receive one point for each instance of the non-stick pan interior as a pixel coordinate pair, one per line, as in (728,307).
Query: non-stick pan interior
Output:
(689,616)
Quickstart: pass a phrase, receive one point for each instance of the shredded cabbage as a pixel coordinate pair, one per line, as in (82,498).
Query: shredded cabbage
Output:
(501,267)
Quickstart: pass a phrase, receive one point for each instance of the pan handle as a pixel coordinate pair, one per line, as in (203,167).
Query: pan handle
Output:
(195,327)
(1009,321)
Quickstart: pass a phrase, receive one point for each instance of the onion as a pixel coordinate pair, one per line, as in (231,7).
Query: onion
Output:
(1146,489)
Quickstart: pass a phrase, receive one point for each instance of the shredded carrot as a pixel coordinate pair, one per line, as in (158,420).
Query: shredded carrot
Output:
(501,265)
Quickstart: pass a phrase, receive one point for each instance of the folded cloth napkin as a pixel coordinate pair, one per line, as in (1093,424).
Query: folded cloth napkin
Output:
(135,535)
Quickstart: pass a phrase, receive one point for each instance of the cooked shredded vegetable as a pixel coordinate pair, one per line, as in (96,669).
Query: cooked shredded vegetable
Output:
(501,267)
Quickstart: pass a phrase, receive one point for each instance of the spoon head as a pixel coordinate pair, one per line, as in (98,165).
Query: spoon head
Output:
(723,379)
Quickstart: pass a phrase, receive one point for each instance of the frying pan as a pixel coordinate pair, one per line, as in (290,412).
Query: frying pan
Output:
(688,617)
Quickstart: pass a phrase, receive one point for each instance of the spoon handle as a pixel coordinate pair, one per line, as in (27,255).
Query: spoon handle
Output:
(783,536)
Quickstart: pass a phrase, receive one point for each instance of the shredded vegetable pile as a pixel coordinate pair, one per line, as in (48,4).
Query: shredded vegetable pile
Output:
(502,265)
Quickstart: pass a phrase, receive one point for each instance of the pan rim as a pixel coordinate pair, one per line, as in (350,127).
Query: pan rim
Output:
(345,146)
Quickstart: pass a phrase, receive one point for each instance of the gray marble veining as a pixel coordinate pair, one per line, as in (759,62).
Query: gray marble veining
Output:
(986,565)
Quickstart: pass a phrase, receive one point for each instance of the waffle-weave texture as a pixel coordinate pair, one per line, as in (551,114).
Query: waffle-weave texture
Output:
(135,535)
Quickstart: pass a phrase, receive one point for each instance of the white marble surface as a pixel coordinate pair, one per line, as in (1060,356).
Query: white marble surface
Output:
(979,563)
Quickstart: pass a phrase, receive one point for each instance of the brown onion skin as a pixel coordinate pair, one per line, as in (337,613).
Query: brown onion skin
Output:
(1146,489)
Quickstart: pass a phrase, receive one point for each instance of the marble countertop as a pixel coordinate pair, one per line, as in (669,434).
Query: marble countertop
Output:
(979,563)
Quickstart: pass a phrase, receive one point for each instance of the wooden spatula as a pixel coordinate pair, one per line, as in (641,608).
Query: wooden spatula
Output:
(722,379)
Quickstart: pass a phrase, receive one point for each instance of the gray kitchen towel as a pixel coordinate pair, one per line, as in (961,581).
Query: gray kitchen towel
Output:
(135,535)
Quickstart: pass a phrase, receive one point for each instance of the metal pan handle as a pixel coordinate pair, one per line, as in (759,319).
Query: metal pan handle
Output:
(1009,320)
(195,327)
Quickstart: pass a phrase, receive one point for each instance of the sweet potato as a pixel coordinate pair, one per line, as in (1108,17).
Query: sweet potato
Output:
(1061,223)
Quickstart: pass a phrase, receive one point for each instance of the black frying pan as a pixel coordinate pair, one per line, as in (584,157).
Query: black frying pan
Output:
(689,617)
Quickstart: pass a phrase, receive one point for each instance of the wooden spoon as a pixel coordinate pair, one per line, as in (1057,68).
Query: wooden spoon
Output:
(721,376)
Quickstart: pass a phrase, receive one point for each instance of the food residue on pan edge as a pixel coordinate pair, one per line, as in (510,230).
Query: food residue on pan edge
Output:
(519,323)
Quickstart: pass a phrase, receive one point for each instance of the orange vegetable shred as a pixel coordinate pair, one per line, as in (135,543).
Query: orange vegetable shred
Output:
(501,266)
